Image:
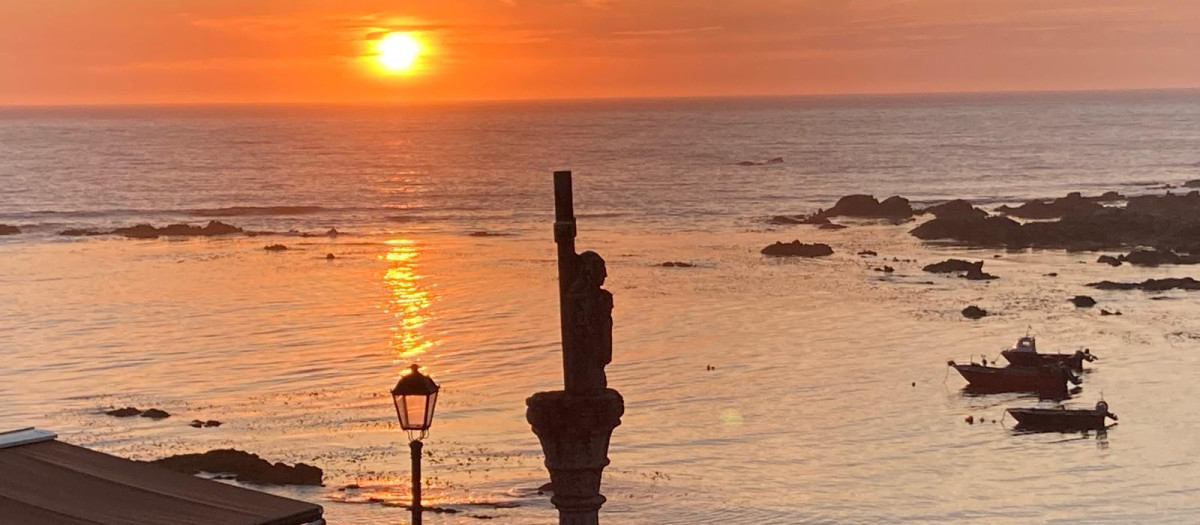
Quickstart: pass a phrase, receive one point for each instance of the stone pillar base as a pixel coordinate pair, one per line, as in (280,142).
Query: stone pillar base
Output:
(574,431)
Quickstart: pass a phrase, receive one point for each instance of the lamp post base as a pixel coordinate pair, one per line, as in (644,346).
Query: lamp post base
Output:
(574,431)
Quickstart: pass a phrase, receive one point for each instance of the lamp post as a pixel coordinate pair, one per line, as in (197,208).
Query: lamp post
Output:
(415,395)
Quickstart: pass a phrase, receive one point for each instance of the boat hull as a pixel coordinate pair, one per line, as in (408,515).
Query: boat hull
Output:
(1058,419)
(1048,381)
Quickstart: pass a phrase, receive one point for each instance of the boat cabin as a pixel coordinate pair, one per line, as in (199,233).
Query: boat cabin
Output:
(1025,344)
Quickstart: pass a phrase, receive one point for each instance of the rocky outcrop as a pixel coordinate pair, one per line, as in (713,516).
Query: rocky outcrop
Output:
(246,467)
(1151,285)
(1109,260)
(797,249)
(1073,204)
(956,209)
(147,231)
(6,229)
(974,312)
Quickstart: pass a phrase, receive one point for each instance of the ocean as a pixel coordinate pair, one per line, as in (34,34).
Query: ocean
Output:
(830,401)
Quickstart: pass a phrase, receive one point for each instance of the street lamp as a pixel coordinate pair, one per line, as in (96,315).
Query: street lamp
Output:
(415,394)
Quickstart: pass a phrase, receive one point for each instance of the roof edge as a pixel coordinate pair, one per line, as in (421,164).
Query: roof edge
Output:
(25,436)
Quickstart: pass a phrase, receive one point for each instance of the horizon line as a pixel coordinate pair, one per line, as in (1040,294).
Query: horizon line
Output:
(615,98)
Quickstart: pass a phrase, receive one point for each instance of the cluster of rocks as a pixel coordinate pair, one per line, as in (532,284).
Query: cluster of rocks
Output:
(244,466)
(1168,222)
(797,249)
(152,413)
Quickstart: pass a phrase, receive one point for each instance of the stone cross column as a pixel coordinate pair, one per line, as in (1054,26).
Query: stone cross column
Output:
(575,424)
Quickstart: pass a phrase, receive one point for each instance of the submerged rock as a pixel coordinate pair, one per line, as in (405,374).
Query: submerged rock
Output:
(247,467)
(275,248)
(1083,301)
(954,266)
(797,249)
(832,226)
(974,312)
(677,264)
(1151,285)
(6,229)
(868,253)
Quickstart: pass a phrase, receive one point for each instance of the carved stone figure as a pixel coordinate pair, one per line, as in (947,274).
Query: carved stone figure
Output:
(590,348)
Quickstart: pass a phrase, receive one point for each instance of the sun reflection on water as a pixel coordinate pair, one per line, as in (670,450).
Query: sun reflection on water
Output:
(410,300)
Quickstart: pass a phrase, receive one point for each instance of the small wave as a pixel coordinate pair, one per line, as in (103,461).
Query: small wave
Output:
(238,211)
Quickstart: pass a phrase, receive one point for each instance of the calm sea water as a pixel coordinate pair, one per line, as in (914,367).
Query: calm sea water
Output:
(811,415)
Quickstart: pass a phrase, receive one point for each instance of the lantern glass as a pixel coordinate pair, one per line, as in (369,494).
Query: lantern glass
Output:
(415,396)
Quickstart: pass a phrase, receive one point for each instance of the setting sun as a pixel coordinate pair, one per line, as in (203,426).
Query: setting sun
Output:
(397,52)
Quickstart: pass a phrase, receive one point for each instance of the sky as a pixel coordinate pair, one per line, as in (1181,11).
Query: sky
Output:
(283,51)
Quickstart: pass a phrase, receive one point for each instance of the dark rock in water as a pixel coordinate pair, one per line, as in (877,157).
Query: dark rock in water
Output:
(1109,196)
(155,413)
(1052,274)
(330,257)
(749,163)
(1083,301)
(1151,285)
(146,231)
(1192,184)
(1158,257)
(974,312)
(797,249)
(954,266)
(775,160)
(987,231)
(868,253)
(677,264)
(196,423)
(956,209)
(832,226)
(546,487)
(867,206)
(977,274)
(124,412)
(1106,312)
(6,229)
(247,467)
(80,232)
(275,248)
(1109,260)
(333,232)
(886,269)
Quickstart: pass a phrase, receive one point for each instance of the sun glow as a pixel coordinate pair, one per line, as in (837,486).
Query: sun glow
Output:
(398,52)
